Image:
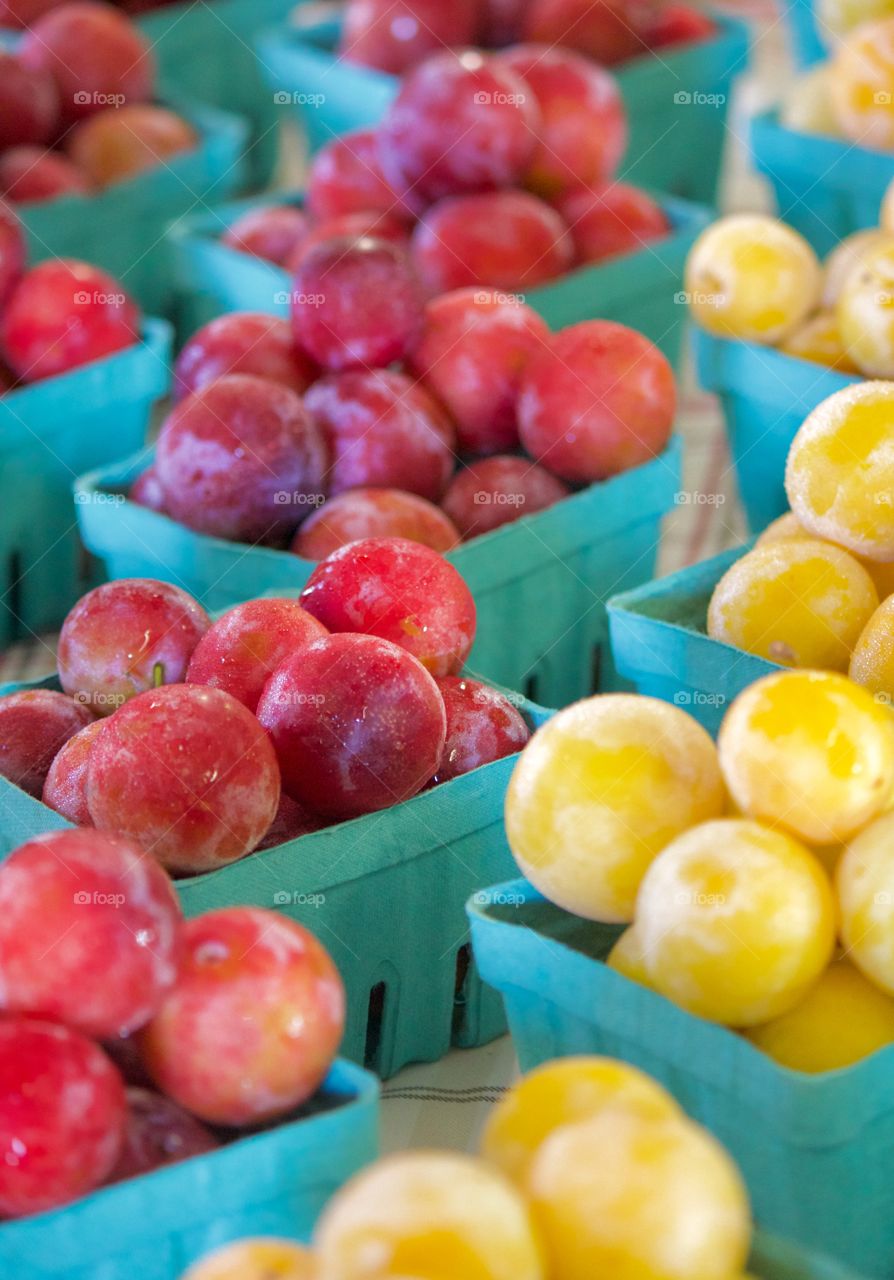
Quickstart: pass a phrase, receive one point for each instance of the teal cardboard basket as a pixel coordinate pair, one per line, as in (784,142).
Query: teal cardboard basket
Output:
(660,644)
(640,289)
(122,228)
(205,50)
(49,433)
(825,188)
(808,45)
(540,584)
(271,1183)
(385,893)
(765,396)
(677,101)
(815,1151)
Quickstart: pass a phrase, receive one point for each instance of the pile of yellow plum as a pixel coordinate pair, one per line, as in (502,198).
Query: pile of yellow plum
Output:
(756,876)
(816,590)
(851,95)
(752,277)
(542,1202)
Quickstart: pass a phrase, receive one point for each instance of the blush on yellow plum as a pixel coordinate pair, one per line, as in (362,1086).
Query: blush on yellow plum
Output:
(736,921)
(841,1020)
(256,1259)
(839,266)
(599,791)
(811,752)
(864,880)
(428,1215)
(750,276)
(839,476)
(861,82)
(631,1198)
(819,340)
(559,1093)
(796,602)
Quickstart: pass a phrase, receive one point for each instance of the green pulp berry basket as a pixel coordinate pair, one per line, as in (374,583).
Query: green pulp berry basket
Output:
(642,289)
(50,432)
(677,100)
(122,228)
(815,1151)
(205,50)
(271,1183)
(386,895)
(765,396)
(540,584)
(826,188)
(659,643)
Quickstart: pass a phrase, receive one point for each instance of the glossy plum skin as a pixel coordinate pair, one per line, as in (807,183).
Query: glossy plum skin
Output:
(147,490)
(63,314)
(96,56)
(459,125)
(29,104)
(252,1026)
(242,342)
(65,788)
(345,178)
(352,226)
(473,350)
(501,21)
(608,31)
(12,251)
(125,637)
(679,24)
(241,459)
(499,239)
(189,773)
(35,725)
(600,400)
(583,120)
(272,233)
(356,304)
(395,36)
(491,492)
(357,723)
(374,513)
(243,648)
(113,920)
(482,726)
(399,591)
(617,219)
(383,431)
(32,174)
(62,1116)
(23,13)
(118,144)
(158,1133)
